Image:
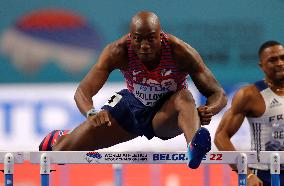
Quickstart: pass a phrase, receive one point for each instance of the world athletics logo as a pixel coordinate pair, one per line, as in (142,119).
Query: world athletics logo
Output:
(93,156)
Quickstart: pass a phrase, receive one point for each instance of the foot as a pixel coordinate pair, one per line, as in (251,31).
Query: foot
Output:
(48,142)
(199,146)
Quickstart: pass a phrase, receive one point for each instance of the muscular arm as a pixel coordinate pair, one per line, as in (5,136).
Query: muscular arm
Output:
(110,59)
(246,102)
(232,120)
(189,60)
(209,87)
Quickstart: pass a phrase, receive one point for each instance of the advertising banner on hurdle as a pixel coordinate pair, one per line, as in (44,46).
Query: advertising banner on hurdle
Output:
(96,157)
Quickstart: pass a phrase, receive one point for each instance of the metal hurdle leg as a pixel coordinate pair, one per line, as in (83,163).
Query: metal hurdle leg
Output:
(117,174)
(44,169)
(9,169)
(275,169)
(242,169)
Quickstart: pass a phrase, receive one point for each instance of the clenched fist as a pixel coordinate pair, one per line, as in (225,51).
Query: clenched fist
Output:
(100,118)
(205,114)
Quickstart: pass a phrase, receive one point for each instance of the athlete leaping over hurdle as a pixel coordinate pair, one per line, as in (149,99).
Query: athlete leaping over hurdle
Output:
(156,102)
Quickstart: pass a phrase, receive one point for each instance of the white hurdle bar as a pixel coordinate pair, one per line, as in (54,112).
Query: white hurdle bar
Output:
(9,159)
(45,159)
(242,159)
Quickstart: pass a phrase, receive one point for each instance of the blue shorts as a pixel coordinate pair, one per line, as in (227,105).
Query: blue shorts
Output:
(265,176)
(131,114)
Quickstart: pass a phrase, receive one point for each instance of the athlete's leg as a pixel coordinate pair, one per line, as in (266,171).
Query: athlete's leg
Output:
(177,115)
(50,139)
(87,137)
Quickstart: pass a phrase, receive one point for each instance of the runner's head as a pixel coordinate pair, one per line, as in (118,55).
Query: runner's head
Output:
(271,61)
(145,30)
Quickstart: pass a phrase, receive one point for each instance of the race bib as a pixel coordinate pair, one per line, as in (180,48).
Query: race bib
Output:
(278,132)
(150,94)
(113,100)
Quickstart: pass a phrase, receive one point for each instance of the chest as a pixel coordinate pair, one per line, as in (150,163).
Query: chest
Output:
(269,107)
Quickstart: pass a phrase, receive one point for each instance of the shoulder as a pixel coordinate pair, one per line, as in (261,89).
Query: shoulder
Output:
(248,99)
(177,44)
(186,56)
(115,53)
(118,48)
(247,91)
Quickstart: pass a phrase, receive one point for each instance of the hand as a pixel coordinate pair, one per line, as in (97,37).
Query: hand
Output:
(205,114)
(101,118)
(253,180)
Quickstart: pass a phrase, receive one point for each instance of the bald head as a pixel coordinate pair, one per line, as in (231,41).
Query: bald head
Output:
(145,34)
(145,19)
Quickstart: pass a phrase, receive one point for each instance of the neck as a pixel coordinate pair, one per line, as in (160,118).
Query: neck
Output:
(275,87)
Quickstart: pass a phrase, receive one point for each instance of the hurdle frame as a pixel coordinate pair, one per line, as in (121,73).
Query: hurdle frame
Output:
(117,159)
(46,158)
(9,159)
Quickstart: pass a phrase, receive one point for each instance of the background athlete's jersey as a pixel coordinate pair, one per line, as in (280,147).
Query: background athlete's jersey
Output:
(267,131)
(150,86)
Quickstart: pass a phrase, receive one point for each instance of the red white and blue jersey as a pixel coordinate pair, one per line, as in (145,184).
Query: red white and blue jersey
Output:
(150,86)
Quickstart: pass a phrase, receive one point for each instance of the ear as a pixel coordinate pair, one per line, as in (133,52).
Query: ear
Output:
(260,64)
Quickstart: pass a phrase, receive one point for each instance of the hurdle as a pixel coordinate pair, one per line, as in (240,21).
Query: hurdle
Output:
(9,159)
(117,159)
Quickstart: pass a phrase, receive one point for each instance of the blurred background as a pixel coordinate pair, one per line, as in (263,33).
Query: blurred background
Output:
(47,47)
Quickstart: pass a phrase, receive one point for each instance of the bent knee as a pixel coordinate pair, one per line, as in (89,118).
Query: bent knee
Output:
(60,145)
(183,97)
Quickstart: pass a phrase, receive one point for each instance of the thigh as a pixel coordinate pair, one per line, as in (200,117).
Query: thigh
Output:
(126,110)
(88,138)
(166,121)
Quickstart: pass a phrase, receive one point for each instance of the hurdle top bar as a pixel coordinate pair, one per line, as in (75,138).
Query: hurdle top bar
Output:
(17,156)
(96,157)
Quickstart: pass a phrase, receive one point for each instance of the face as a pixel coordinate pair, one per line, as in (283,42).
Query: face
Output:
(272,63)
(146,40)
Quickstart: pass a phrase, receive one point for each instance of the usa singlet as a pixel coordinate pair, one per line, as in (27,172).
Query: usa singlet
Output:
(267,131)
(149,86)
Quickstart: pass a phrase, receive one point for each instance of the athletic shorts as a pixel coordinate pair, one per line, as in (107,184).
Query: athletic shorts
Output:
(133,115)
(265,176)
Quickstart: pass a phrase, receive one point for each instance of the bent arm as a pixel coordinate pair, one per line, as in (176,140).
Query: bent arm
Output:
(96,78)
(231,122)
(190,61)
(229,125)
(88,87)
(210,88)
